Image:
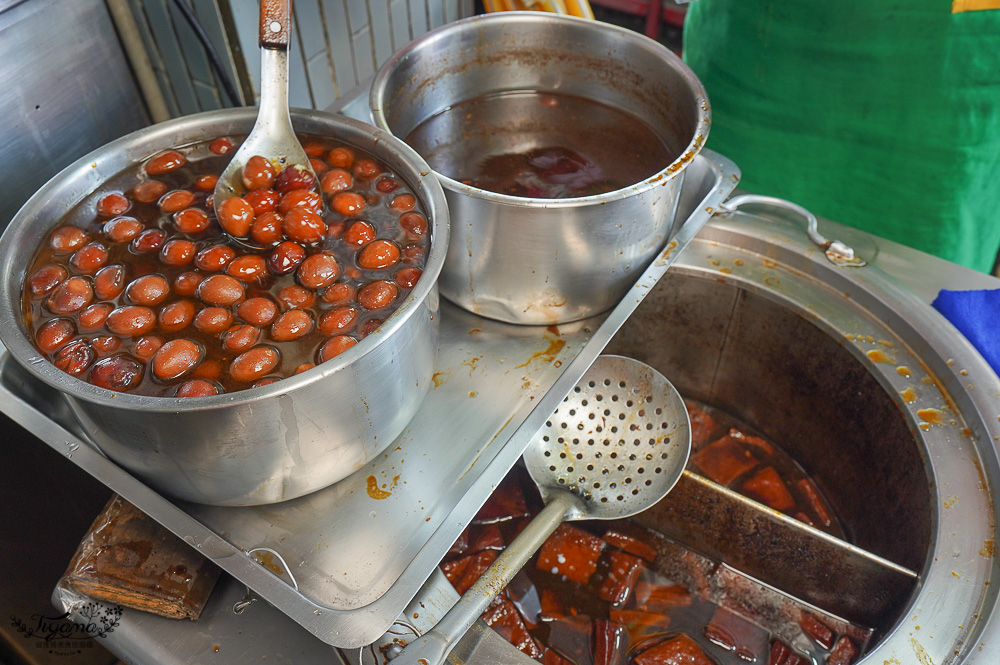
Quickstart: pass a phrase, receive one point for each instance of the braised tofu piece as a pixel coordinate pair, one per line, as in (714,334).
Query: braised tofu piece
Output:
(631,545)
(622,575)
(571,637)
(524,594)
(680,650)
(703,426)
(805,519)
(753,443)
(661,597)
(767,487)
(723,460)
(734,633)
(843,652)
(476,538)
(639,623)
(506,503)
(552,606)
(781,654)
(815,502)
(817,631)
(463,573)
(571,553)
(610,643)
(503,617)
(485,537)
(550,657)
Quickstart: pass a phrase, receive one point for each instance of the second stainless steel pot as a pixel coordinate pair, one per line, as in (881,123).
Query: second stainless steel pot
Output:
(545,261)
(260,445)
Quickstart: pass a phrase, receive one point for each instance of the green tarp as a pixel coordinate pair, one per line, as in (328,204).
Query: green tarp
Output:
(880,114)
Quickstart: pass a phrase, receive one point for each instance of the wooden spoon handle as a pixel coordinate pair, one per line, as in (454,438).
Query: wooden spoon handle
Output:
(275,24)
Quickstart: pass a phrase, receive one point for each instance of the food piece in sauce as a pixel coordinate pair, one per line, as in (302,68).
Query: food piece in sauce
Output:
(552,606)
(734,633)
(571,637)
(550,657)
(506,503)
(781,654)
(703,426)
(661,597)
(637,621)
(815,503)
(571,553)
(723,460)
(679,650)
(610,643)
(843,652)
(503,617)
(754,443)
(766,486)
(623,573)
(629,544)
(818,631)
(463,573)
(485,537)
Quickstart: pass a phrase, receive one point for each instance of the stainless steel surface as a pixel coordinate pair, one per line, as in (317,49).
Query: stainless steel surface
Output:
(782,552)
(362,548)
(260,445)
(781,257)
(272,136)
(64,95)
(544,261)
(613,448)
(886,406)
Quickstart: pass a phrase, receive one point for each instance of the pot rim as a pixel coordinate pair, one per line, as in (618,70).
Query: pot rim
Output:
(14,262)
(443,33)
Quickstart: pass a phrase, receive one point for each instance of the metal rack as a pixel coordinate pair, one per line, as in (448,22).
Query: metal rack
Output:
(358,551)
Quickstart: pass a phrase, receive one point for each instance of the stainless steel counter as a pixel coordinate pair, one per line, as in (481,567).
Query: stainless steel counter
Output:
(262,629)
(358,555)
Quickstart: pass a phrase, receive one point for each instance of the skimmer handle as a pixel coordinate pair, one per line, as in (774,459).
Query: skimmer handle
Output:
(434,646)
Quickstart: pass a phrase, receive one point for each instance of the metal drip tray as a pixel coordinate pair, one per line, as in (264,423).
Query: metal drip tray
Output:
(346,560)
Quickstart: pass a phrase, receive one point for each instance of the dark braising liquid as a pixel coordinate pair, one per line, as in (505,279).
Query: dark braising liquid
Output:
(541,145)
(597,593)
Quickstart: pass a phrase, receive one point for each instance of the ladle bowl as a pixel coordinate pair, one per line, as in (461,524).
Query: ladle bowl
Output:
(272,136)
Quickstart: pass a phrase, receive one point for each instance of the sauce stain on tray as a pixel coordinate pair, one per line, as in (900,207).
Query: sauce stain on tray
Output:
(374,491)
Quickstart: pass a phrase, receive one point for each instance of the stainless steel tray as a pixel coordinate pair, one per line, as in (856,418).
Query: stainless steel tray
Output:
(345,561)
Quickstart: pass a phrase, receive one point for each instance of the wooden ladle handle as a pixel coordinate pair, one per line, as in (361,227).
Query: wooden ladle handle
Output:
(275,24)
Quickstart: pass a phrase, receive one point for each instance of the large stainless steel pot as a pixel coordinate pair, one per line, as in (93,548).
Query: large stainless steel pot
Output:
(544,261)
(261,445)
(883,403)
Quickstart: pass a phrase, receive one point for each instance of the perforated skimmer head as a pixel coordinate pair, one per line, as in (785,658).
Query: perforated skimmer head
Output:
(619,441)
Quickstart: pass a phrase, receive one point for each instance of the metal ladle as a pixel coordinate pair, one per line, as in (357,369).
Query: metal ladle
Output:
(272,136)
(615,446)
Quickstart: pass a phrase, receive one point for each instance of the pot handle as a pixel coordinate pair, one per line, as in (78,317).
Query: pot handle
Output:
(837,252)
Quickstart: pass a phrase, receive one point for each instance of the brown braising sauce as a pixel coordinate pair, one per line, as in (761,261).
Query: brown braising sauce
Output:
(541,145)
(138,290)
(595,594)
